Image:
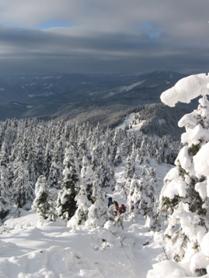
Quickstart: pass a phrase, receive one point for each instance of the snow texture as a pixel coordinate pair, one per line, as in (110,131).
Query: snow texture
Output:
(186,89)
(29,249)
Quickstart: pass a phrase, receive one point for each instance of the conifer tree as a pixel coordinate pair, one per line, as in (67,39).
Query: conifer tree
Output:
(184,197)
(82,201)
(23,193)
(43,204)
(97,213)
(66,203)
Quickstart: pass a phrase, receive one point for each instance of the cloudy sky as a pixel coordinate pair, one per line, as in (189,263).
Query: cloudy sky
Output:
(104,35)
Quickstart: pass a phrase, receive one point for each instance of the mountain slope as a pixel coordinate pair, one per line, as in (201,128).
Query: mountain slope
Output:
(156,119)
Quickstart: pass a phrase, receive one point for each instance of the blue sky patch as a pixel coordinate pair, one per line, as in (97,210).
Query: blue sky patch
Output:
(55,24)
(151,30)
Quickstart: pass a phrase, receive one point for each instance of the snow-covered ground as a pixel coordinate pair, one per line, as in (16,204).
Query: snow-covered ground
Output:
(29,249)
(129,121)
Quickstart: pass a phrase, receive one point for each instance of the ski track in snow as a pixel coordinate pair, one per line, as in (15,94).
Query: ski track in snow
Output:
(52,250)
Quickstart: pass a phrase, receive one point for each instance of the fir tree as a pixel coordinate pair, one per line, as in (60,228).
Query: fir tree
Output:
(43,204)
(184,197)
(82,201)
(97,213)
(66,203)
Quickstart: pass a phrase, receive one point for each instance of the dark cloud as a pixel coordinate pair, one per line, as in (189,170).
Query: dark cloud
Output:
(104,36)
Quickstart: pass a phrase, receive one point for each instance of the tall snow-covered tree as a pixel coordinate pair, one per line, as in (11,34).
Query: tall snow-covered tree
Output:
(82,200)
(141,196)
(97,213)
(130,169)
(23,193)
(66,203)
(185,195)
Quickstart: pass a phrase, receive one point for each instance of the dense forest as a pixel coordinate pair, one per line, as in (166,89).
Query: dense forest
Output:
(67,159)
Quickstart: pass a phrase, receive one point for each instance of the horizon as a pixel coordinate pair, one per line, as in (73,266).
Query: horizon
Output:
(101,37)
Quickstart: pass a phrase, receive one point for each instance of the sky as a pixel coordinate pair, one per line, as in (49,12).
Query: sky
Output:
(105,36)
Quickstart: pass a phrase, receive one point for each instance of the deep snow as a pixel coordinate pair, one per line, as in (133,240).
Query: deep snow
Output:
(33,249)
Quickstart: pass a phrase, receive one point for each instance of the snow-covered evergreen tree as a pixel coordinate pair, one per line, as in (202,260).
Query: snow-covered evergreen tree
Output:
(43,204)
(66,203)
(134,196)
(97,213)
(23,193)
(130,169)
(141,196)
(82,201)
(185,195)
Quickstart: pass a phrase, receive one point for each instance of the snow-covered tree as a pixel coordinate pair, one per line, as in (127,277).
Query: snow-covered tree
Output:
(66,203)
(23,193)
(134,196)
(82,201)
(97,213)
(43,204)
(141,196)
(185,196)
(130,169)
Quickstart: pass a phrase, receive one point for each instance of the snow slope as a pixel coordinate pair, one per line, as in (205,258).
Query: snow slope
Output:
(128,121)
(131,86)
(29,249)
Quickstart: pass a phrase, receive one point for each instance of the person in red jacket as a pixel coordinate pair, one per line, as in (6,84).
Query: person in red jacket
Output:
(122,209)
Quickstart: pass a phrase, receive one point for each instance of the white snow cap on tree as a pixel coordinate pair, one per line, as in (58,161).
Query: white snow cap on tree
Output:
(184,197)
(186,89)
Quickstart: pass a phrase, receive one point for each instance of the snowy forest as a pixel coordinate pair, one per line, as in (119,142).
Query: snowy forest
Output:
(97,200)
(55,162)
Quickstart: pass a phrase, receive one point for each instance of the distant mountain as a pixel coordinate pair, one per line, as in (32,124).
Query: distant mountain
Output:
(95,97)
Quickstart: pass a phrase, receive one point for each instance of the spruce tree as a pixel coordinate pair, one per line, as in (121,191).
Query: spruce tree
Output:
(66,203)
(82,198)
(184,197)
(43,203)
(97,213)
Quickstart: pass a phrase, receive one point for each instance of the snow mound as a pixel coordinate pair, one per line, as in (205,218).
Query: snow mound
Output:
(53,250)
(186,89)
(167,269)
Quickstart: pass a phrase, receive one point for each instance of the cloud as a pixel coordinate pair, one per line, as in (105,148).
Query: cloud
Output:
(111,35)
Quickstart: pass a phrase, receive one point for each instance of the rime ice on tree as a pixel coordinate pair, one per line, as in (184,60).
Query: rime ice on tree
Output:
(66,203)
(42,203)
(185,194)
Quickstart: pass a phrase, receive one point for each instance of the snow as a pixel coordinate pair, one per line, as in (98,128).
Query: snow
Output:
(186,89)
(129,121)
(131,87)
(32,247)
(175,188)
(201,188)
(166,269)
(201,163)
(187,234)
(205,245)
(198,261)
(195,135)
(52,250)
(184,159)
(174,185)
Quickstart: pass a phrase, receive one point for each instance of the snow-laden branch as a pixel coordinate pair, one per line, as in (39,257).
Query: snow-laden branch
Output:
(186,89)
